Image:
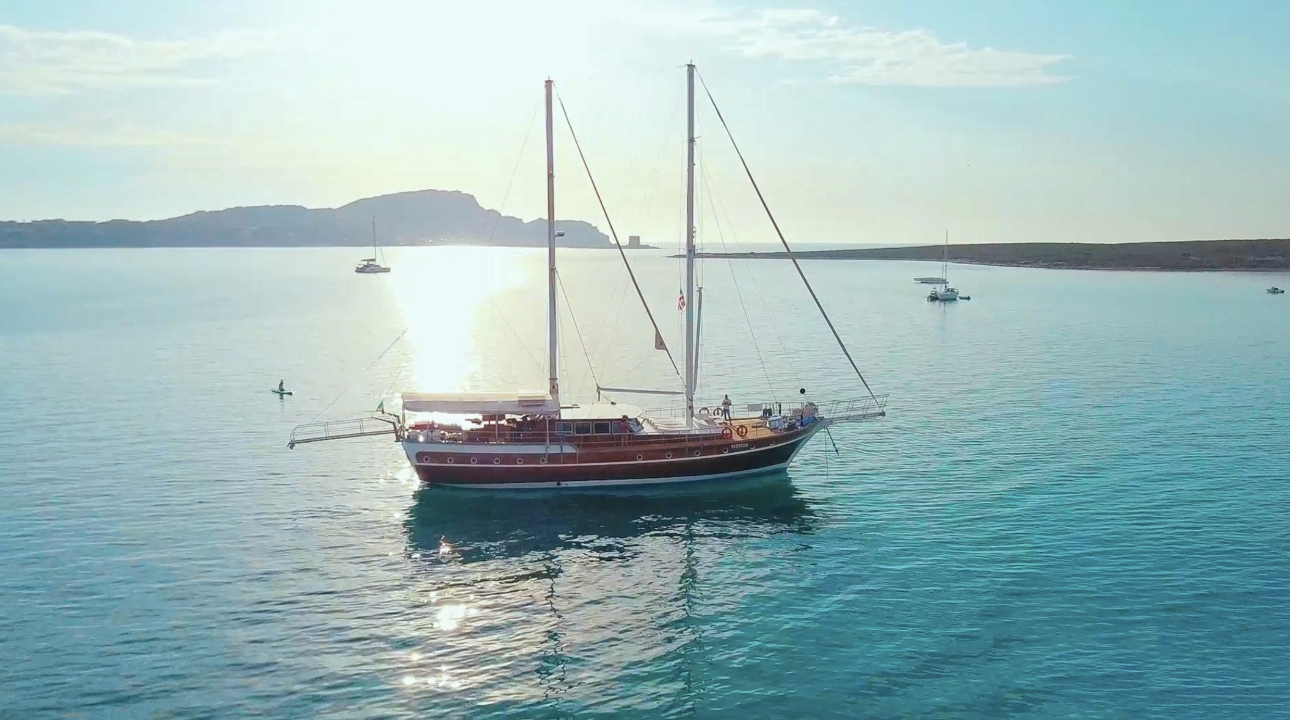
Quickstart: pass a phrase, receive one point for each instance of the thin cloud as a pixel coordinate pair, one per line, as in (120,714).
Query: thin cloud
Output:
(878,57)
(41,63)
(101,135)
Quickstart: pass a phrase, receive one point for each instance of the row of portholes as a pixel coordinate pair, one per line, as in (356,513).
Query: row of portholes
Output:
(496,461)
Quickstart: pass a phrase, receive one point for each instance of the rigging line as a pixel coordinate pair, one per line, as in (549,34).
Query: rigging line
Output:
(514,171)
(396,378)
(501,315)
(652,187)
(369,367)
(613,232)
(577,331)
(500,210)
(638,366)
(738,294)
(757,291)
(617,307)
(784,242)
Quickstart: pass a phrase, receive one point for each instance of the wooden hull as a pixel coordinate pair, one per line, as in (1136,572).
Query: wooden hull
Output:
(625,464)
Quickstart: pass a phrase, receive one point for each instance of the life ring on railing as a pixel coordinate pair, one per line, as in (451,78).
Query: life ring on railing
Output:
(704,412)
(725,433)
(742,430)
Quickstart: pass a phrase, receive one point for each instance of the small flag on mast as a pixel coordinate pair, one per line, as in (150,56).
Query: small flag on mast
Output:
(680,302)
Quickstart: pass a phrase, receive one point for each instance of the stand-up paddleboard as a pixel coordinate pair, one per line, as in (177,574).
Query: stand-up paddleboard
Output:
(280,393)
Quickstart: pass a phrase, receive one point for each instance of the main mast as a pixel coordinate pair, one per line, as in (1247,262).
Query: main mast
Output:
(553,339)
(945,262)
(691,359)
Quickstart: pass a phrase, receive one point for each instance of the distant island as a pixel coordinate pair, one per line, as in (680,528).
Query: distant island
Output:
(424,217)
(1185,255)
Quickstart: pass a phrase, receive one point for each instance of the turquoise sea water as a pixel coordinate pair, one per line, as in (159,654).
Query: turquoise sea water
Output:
(1077,508)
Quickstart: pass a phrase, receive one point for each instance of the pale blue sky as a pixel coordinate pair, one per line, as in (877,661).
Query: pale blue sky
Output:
(884,121)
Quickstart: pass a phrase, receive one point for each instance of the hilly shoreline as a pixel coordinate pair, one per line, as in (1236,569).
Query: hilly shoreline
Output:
(1190,255)
(423,217)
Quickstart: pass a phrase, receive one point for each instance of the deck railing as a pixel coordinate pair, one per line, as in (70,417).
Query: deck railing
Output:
(854,410)
(845,410)
(835,411)
(342,430)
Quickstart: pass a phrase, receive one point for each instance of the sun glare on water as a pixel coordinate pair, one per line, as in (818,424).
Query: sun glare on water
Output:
(452,300)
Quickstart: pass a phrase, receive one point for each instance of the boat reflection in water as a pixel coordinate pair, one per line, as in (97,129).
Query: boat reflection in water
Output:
(481,526)
(559,599)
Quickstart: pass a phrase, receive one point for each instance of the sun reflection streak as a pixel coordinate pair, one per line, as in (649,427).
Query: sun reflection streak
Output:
(450,617)
(438,678)
(442,292)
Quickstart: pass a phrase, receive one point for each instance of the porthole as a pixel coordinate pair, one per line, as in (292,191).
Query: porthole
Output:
(668,456)
(726,451)
(696,453)
(640,457)
(519,461)
(497,461)
(450,460)
(474,461)
(542,461)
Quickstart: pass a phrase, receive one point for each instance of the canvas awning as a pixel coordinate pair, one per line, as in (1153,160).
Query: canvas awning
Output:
(514,403)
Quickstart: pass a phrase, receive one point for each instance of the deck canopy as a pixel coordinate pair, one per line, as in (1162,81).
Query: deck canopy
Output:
(513,403)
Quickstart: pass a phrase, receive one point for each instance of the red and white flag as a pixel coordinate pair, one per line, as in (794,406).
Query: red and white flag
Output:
(680,302)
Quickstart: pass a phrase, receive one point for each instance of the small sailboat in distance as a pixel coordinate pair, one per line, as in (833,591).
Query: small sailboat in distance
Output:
(944,293)
(369,266)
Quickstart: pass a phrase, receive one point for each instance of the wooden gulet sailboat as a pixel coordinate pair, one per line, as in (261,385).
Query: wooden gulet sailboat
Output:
(534,440)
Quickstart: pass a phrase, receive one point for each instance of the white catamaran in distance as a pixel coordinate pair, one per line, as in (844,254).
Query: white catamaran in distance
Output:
(369,266)
(539,440)
(945,293)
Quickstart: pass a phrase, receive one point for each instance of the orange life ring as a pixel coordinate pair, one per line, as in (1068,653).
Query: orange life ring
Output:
(742,430)
(725,433)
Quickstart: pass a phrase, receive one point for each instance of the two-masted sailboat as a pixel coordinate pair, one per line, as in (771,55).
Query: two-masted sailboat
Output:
(537,440)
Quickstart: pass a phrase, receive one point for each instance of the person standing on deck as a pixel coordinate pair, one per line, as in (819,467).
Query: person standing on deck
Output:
(725,408)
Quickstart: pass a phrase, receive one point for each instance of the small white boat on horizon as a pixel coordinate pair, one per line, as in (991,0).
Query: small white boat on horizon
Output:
(944,293)
(1274,290)
(369,266)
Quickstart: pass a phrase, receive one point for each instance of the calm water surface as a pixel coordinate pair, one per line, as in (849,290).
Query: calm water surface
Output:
(1078,506)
